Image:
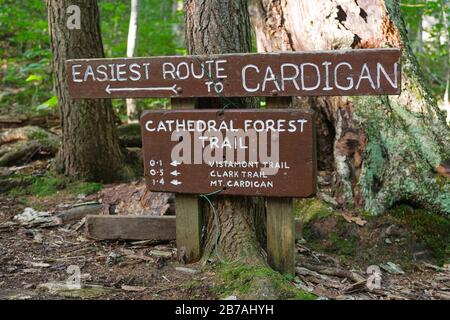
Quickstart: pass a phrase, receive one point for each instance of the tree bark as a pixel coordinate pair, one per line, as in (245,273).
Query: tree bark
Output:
(214,27)
(132,109)
(379,151)
(90,147)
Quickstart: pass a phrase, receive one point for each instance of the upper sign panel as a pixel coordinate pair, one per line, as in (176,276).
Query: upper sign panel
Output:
(322,73)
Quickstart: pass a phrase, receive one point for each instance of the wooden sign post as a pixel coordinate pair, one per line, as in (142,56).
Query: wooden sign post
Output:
(188,211)
(189,152)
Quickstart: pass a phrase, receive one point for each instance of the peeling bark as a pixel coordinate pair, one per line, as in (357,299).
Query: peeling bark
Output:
(385,150)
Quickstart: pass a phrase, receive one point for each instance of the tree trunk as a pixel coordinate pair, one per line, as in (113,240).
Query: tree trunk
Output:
(379,151)
(132,109)
(214,27)
(90,147)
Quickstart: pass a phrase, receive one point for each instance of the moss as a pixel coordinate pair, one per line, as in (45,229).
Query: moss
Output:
(242,281)
(85,188)
(47,185)
(431,229)
(332,235)
(47,139)
(191,285)
(342,245)
(401,153)
(40,186)
(310,209)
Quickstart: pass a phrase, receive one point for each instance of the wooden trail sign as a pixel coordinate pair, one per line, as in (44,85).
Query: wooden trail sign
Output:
(267,153)
(321,73)
(236,152)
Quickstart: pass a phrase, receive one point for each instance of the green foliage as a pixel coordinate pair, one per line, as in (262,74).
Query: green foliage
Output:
(26,81)
(50,104)
(427,33)
(158,23)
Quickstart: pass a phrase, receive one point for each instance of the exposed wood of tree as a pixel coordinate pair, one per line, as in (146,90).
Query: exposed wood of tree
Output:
(380,150)
(90,147)
(132,110)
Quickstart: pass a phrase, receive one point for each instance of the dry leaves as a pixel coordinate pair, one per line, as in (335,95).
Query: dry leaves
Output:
(354,219)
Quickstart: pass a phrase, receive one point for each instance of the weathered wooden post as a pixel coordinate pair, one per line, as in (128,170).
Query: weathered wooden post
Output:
(269,153)
(280,218)
(189,215)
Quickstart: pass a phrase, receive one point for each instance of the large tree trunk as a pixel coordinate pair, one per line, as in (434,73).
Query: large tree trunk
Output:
(214,27)
(90,147)
(378,150)
(132,109)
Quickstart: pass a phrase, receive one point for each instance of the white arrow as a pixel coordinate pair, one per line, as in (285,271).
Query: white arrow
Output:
(175,182)
(175,173)
(175,163)
(173,89)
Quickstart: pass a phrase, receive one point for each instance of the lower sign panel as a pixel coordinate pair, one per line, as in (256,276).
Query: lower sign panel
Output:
(235,152)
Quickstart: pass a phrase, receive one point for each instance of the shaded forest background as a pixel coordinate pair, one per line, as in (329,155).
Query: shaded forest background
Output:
(26,83)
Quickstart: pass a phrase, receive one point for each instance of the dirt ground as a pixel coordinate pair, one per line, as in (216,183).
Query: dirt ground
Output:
(37,261)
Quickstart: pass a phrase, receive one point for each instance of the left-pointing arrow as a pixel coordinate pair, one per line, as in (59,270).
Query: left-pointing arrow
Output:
(109,90)
(175,163)
(175,173)
(175,182)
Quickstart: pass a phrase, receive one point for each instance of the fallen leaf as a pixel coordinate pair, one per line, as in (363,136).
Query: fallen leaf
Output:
(354,219)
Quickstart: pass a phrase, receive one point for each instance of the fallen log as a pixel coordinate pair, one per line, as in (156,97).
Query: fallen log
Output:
(47,139)
(7,184)
(333,271)
(46,121)
(22,153)
(79,212)
(130,227)
(318,278)
(20,145)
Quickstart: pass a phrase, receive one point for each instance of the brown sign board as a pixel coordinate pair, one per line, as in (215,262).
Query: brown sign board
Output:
(322,73)
(234,152)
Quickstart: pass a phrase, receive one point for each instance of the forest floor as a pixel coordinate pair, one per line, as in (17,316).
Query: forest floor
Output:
(403,254)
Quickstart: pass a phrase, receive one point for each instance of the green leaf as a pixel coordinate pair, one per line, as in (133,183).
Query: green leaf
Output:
(48,105)
(34,78)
